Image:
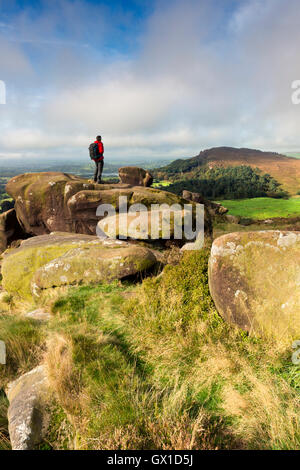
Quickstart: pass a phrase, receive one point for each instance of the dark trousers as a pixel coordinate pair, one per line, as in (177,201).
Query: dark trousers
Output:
(98,170)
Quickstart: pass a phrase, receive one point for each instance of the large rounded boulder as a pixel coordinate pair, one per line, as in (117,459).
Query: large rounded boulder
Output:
(60,259)
(254,279)
(52,201)
(135,176)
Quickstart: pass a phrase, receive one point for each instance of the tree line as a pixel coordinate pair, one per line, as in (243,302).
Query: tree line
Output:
(235,182)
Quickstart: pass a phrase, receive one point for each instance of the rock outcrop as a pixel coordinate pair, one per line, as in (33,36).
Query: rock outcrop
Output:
(47,202)
(27,419)
(135,176)
(60,259)
(254,279)
(213,208)
(10,229)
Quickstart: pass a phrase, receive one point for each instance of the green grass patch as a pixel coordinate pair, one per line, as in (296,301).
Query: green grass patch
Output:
(161,184)
(292,154)
(263,207)
(163,370)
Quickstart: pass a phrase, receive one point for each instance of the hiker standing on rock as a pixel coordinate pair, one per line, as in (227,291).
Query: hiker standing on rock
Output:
(96,150)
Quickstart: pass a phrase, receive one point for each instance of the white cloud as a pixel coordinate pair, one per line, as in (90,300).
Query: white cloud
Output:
(201,77)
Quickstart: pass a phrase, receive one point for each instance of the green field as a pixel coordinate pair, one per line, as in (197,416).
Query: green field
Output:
(161,184)
(263,207)
(292,154)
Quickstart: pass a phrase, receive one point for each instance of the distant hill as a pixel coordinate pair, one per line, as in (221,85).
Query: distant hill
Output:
(286,170)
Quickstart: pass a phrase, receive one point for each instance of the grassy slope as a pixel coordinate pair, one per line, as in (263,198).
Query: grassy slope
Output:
(263,207)
(285,170)
(293,154)
(158,370)
(161,184)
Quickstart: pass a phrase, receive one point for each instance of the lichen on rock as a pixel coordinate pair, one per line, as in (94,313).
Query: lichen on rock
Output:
(61,259)
(54,201)
(27,415)
(254,279)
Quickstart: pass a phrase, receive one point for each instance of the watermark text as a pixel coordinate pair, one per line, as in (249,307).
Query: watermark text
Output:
(2,92)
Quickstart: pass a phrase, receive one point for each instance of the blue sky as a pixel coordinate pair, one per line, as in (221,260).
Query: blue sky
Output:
(163,78)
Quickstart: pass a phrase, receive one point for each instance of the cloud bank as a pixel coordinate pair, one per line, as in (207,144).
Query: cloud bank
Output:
(189,75)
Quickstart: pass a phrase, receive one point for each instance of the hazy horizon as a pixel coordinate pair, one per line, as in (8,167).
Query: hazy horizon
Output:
(38,162)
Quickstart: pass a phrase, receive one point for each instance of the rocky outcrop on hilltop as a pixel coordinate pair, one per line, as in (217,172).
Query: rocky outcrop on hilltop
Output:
(50,201)
(254,280)
(61,259)
(135,176)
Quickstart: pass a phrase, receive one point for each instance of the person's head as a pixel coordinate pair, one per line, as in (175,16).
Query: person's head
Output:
(98,138)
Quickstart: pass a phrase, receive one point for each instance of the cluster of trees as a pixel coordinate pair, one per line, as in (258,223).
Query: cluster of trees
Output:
(235,182)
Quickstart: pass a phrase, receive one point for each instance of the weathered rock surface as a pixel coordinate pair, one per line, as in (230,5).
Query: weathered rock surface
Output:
(232,219)
(10,229)
(26,413)
(2,352)
(135,176)
(50,201)
(38,314)
(61,259)
(155,225)
(213,208)
(254,279)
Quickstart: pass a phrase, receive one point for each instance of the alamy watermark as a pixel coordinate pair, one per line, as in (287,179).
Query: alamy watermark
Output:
(2,92)
(295,97)
(159,222)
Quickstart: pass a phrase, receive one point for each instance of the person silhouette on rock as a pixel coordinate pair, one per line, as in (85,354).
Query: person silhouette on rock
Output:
(96,150)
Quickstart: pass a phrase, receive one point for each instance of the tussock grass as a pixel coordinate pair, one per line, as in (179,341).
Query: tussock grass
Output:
(153,366)
(162,370)
(228,374)
(23,339)
(4,436)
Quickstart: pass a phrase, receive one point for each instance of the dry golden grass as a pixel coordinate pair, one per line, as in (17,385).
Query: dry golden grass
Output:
(161,370)
(262,408)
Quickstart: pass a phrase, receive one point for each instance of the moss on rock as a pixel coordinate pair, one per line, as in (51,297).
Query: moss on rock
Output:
(254,280)
(67,259)
(54,201)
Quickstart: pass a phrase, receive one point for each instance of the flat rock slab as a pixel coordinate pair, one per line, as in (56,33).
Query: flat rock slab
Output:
(63,259)
(27,421)
(38,314)
(254,279)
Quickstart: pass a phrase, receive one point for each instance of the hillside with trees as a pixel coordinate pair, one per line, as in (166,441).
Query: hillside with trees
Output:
(285,170)
(230,183)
